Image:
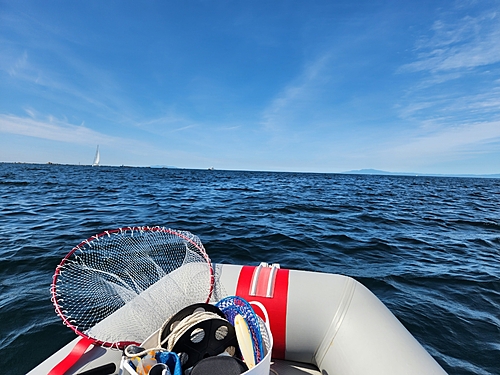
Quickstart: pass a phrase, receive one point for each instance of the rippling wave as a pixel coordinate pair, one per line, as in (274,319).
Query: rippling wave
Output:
(428,247)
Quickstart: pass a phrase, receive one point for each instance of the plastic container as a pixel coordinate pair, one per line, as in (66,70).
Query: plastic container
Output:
(264,366)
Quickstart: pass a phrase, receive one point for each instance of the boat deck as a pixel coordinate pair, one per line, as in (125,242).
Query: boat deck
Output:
(98,360)
(280,367)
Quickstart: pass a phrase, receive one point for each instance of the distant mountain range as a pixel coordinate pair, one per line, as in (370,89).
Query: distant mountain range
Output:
(385,173)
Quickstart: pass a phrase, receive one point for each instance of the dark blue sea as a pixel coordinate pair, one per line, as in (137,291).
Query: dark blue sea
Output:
(428,247)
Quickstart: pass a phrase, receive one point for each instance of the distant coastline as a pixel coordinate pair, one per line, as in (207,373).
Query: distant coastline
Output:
(377,172)
(373,172)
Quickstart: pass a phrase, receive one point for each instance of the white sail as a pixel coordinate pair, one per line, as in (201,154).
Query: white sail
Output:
(96,158)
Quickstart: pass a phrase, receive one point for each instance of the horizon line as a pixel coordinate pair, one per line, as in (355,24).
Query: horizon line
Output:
(363,171)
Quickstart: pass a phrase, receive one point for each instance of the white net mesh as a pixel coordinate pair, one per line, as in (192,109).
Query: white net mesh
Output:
(120,286)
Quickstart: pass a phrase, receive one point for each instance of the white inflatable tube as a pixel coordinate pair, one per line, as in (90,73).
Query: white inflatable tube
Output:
(337,324)
(332,322)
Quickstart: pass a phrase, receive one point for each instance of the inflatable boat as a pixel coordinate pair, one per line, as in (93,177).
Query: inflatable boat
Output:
(321,324)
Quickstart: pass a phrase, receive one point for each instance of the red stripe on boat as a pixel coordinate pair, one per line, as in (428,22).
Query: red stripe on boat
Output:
(76,353)
(276,306)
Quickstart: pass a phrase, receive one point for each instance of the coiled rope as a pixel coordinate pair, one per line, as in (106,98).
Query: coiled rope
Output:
(183,326)
(179,329)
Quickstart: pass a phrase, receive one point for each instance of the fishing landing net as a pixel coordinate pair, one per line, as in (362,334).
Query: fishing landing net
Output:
(118,287)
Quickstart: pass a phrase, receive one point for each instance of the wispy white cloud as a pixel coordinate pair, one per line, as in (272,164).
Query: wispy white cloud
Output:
(456,86)
(229,127)
(31,112)
(162,125)
(450,108)
(19,64)
(467,43)
(45,61)
(447,143)
(453,109)
(52,129)
(94,87)
(297,95)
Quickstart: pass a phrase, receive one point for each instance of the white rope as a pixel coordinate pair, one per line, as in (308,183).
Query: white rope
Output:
(180,329)
(184,325)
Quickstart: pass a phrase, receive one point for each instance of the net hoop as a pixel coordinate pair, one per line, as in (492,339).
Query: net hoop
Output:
(89,243)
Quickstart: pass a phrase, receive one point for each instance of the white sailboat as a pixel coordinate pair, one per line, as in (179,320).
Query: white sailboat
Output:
(96,158)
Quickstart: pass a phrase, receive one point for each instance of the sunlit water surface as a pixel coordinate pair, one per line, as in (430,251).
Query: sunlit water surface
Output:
(428,247)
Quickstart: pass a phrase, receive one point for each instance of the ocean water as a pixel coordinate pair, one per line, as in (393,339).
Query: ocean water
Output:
(428,247)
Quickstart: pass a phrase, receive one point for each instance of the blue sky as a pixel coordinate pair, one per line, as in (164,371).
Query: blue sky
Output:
(313,86)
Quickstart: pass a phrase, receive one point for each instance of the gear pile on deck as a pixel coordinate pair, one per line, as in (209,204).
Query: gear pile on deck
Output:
(227,338)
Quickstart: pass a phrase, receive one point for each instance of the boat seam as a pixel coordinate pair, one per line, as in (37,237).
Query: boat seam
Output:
(336,322)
